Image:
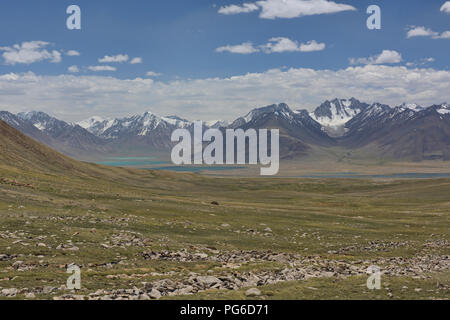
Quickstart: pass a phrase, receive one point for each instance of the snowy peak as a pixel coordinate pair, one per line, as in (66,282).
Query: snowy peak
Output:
(337,112)
(88,123)
(138,125)
(44,122)
(333,115)
(216,124)
(412,106)
(281,110)
(97,125)
(443,109)
(177,121)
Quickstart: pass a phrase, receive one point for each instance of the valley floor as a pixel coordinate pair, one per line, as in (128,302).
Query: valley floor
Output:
(149,235)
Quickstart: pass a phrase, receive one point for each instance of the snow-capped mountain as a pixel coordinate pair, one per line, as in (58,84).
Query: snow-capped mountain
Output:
(216,124)
(25,127)
(96,125)
(442,109)
(177,121)
(68,138)
(333,115)
(408,130)
(138,125)
(401,132)
(295,124)
(45,123)
(412,106)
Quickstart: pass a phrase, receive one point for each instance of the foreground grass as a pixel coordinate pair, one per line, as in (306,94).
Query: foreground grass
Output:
(109,218)
(354,288)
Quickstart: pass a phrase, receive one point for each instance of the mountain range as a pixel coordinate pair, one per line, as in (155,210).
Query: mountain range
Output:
(408,131)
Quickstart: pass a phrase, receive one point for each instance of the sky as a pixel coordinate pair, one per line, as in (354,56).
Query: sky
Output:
(215,60)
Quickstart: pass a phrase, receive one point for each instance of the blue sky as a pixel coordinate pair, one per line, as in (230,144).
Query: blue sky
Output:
(177,41)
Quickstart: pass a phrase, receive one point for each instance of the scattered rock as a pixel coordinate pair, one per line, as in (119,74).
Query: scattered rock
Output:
(253,292)
(155,294)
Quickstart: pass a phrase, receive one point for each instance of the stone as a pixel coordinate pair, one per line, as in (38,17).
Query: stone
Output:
(10,292)
(185,291)
(47,290)
(155,294)
(144,296)
(208,281)
(253,292)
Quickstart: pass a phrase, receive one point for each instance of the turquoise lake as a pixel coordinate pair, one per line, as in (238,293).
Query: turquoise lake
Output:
(152,163)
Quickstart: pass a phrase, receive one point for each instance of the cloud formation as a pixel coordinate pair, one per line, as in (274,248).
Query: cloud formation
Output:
(281,44)
(101,68)
(274,45)
(446,7)
(235,9)
(244,48)
(120,58)
(75,97)
(153,74)
(421,62)
(273,9)
(30,52)
(136,60)
(385,57)
(421,31)
(72,53)
(73,69)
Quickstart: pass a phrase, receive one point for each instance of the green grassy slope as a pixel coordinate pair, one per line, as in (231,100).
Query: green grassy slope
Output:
(290,234)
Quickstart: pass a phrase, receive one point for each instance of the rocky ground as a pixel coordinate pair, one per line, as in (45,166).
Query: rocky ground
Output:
(289,267)
(193,237)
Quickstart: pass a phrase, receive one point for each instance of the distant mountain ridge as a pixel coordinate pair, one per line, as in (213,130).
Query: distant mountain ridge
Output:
(407,131)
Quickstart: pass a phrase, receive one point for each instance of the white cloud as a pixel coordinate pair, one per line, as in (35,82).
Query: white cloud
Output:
(220,98)
(274,45)
(312,46)
(136,60)
(385,57)
(235,9)
(73,69)
(281,44)
(102,68)
(72,53)
(272,9)
(421,31)
(446,7)
(421,62)
(56,57)
(245,48)
(114,59)
(153,74)
(444,35)
(30,52)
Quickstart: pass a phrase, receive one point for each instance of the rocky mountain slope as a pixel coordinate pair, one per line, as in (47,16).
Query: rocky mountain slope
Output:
(409,131)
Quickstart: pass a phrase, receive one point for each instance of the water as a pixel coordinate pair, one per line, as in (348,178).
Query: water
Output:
(195,169)
(355,175)
(151,163)
(134,163)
